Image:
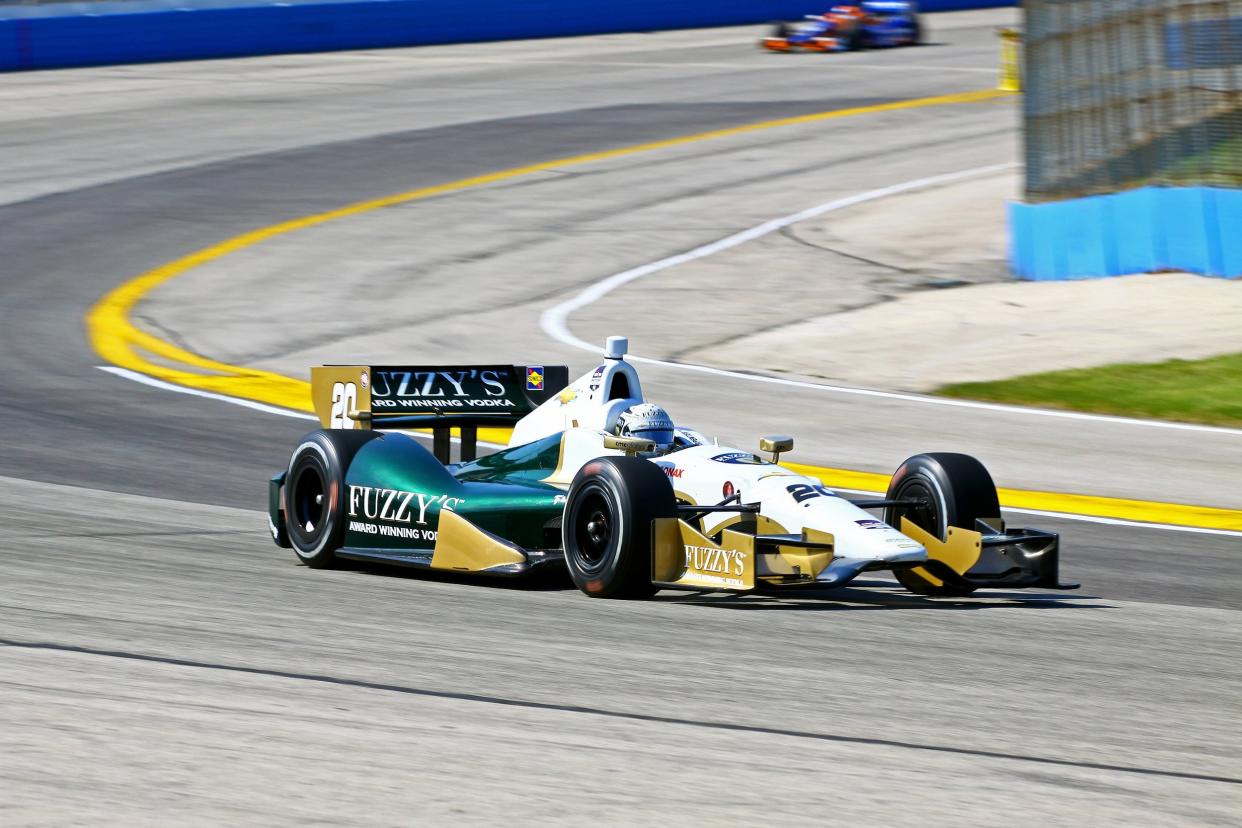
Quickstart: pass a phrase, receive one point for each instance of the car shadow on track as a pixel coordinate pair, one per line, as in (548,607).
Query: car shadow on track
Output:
(861,595)
(549,580)
(880,595)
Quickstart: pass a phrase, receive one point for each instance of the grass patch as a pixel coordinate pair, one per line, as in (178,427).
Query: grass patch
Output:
(1194,391)
(1220,166)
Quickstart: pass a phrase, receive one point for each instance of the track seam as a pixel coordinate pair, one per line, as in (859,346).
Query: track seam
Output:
(613,714)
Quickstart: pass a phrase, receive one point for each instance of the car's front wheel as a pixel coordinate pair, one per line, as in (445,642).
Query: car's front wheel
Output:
(607,526)
(954,490)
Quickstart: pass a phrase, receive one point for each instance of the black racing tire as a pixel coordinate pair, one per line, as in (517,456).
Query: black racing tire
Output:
(783,29)
(916,37)
(857,40)
(958,490)
(314,493)
(606,531)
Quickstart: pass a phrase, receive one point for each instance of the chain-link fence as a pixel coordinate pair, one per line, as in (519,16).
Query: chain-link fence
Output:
(1123,93)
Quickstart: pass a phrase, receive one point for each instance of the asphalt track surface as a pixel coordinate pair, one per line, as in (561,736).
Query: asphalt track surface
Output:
(162,661)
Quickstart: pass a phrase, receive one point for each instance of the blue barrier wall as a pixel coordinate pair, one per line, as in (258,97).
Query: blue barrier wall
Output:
(1197,229)
(91,34)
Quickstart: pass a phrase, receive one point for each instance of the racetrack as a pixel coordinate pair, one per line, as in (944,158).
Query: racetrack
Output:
(173,664)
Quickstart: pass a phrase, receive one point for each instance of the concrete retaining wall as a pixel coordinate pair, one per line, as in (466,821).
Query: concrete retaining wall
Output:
(1196,229)
(90,34)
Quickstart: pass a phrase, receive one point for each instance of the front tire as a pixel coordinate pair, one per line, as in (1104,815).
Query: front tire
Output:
(315,493)
(606,532)
(957,489)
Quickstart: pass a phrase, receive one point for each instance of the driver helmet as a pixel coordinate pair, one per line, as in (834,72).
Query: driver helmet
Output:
(648,422)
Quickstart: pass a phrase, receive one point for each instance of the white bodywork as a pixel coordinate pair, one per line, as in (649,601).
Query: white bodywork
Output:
(704,474)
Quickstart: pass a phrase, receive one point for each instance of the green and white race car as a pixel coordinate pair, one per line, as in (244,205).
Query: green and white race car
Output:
(599,481)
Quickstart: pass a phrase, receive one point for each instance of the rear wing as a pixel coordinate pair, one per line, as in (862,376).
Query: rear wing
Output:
(439,397)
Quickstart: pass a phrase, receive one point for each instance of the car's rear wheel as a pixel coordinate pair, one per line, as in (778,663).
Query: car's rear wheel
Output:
(955,490)
(315,493)
(607,527)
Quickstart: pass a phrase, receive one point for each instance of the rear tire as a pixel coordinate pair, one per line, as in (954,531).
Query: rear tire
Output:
(314,493)
(606,532)
(958,490)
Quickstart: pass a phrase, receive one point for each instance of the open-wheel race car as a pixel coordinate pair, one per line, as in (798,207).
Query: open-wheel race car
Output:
(847,27)
(601,482)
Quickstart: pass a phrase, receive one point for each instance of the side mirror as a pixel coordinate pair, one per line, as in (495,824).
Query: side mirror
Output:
(632,446)
(777,445)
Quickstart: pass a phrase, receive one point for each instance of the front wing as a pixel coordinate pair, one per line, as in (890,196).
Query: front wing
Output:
(684,558)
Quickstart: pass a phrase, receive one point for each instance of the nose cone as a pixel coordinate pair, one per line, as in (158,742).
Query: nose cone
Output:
(915,554)
(877,540)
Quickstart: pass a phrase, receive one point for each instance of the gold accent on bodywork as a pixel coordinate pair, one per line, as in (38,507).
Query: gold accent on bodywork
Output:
(959,551)
(462,546)
(798,560)
(763,525)
(684,499)
(556,478)
(777,445)
(352,410)
(686,558)
(668,553)
(632,446)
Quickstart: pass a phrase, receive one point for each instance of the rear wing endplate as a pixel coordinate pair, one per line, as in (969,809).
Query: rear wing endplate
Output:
(439,397)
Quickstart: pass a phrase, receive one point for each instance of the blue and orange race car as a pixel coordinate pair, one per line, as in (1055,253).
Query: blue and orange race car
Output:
(846,27)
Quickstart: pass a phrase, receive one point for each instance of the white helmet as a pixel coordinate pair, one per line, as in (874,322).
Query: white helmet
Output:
(648,422)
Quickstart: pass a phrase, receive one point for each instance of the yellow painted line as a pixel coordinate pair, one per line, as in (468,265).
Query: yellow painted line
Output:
(115,337)
(1140,511)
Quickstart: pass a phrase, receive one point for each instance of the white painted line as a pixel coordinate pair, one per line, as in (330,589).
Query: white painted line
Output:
(194,392)
(1136,524)
(554,320)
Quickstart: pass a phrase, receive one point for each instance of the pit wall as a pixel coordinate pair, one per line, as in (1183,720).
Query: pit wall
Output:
(1195,229)
(58,35)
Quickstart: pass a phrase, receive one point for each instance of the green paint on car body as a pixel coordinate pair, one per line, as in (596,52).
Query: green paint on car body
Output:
(396,489)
